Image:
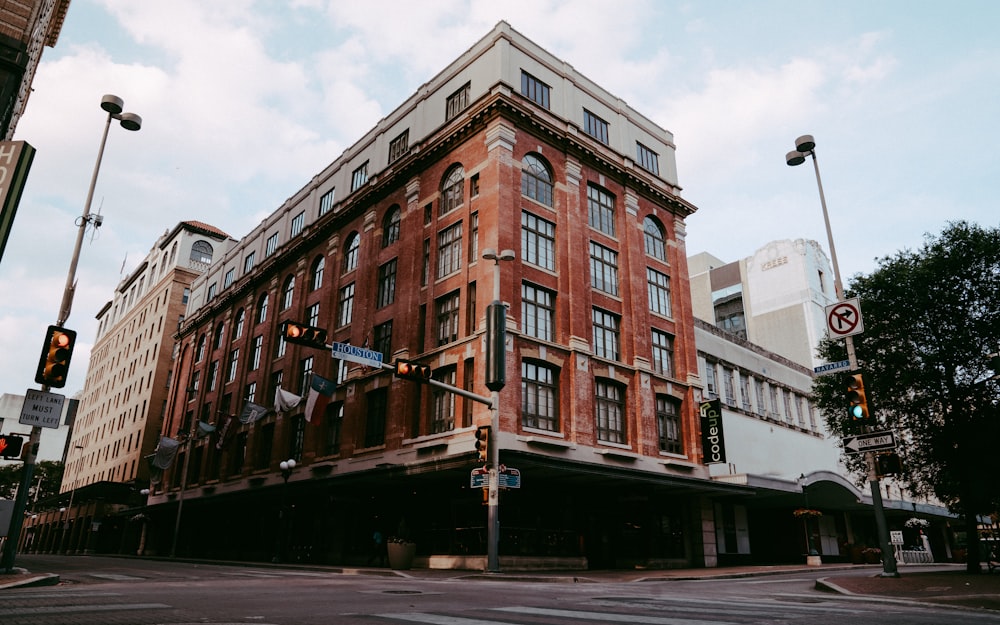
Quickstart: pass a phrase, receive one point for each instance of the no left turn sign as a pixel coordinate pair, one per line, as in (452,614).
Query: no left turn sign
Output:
(844,318)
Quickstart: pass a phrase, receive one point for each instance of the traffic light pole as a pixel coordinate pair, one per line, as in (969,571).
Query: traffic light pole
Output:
(888,555)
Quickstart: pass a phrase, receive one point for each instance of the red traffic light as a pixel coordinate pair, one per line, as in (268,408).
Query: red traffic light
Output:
(10,445)
(409,370)
(301,334)
(57,350)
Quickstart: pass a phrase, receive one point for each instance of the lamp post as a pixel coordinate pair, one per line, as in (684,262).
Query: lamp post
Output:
(286,466)
(495,379)
(72,491)
(806,146)
(141,550)
(113,106)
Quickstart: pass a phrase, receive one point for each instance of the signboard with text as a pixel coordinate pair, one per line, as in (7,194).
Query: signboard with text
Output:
(713,442)
(41,409)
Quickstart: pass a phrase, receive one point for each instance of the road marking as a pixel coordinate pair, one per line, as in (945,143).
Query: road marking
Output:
(610,618)
(73,609)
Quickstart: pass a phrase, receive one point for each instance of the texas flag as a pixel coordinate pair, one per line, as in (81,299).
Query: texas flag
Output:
(320,392)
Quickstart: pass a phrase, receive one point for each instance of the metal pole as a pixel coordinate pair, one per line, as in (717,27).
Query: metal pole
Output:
(888,557)
(180,496)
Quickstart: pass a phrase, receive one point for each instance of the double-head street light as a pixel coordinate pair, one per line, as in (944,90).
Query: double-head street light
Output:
(806,146)
(286,466)
(113,106)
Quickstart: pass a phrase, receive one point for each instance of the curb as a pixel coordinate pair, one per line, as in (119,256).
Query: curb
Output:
(27,581)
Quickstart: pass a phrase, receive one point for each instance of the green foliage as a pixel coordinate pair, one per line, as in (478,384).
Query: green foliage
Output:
(932,318)
(44,485)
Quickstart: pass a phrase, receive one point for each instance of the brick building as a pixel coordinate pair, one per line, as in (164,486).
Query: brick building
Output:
(507,148)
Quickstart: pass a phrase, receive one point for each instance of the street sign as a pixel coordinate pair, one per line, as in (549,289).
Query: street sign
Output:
(41,409)
(844,318)
(873,441)
(832,367)
(510,478)
(360,355)
(896,537)
(480,478)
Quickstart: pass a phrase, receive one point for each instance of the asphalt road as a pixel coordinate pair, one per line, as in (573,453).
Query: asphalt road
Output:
(111,591)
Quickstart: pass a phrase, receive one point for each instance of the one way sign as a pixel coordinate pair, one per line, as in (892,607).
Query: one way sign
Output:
(873,441)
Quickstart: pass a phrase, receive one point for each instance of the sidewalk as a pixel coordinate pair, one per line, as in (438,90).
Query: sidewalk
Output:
(943,584)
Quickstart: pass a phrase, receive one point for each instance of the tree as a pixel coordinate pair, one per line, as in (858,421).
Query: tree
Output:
(932,319)
(48,477)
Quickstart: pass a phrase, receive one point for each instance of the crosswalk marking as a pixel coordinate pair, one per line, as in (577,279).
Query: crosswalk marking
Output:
(439,619)
(62,609)
(611,618)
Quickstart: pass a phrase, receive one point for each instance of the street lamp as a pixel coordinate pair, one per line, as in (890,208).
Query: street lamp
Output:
(145,524)
(495,374)
(113,106)
(72,492)
(286,466)
(806,146)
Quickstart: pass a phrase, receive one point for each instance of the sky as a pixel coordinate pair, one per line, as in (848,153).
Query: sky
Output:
(244,101)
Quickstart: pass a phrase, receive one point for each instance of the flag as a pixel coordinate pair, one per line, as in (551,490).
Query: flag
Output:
(224,431)
(285,401)
(320,392)
(204,429)
(165,452)
(252,412)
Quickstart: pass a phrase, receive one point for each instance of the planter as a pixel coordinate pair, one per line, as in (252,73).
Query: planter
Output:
(814,560)
(401,555)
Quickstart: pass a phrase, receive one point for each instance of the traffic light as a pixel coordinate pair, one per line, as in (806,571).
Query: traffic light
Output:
(888,463)
(301,334)
(53,364)
(10,445)
(854,393)
(483,442)
(409,370)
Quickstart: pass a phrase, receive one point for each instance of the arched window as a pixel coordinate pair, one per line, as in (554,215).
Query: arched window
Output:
(217,339)
(317,273)
(173,253)
(240,319)
(536,179)
(201,252)
(351,252)
(452,189)
(655,238)
(390,226)
(199,353)
(262,308)
(287,293)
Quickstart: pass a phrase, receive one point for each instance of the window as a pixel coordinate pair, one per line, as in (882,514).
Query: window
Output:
(345,305)
(447,318)
(240,320)
(663,353)
(201,252)
(534,89)
(255,352)
(288,293)
(536,180)
(199,353)
(386,284)
(351,252)
(456,102)
(218,336)
(326,202)
(375,418)
(248,262)
(607,343)
(359,176)
(537,311)
(298,223)
(312,315)
(316,273)
(539,397)
(250,392)
(305,375)
(595,126)
(383,340)
(234,359)
(668,423)
(333,419)
(229,279)
(262,308)
(449,258)
(656,241)
(474,185)
(399,145)
(390,226)
(298,439)
(271,246)
(443,419)
(658,285)
(281,347)
(473,237)
(711,385)
(452,190)
(648,159)
(538,241)
(729,385)
(425,271)
(609,406)
(212,288)
(744,391)
(213,375)
(601,210)
(265,444)
(603,269)
(759,396)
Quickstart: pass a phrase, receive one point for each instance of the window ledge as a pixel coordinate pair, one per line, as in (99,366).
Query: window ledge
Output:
(617,453)
(680,463)
(547,441)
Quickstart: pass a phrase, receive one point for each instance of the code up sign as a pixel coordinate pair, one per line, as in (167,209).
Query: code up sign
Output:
(713,441)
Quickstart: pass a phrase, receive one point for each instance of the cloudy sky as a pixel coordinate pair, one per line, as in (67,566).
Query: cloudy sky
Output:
(244,101)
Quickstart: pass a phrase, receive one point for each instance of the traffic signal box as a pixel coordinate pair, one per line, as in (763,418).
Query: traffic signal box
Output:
(53,364)
(409,370)
(483,433)
(888,463)
(10,445)
(301,334)
(854,394)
